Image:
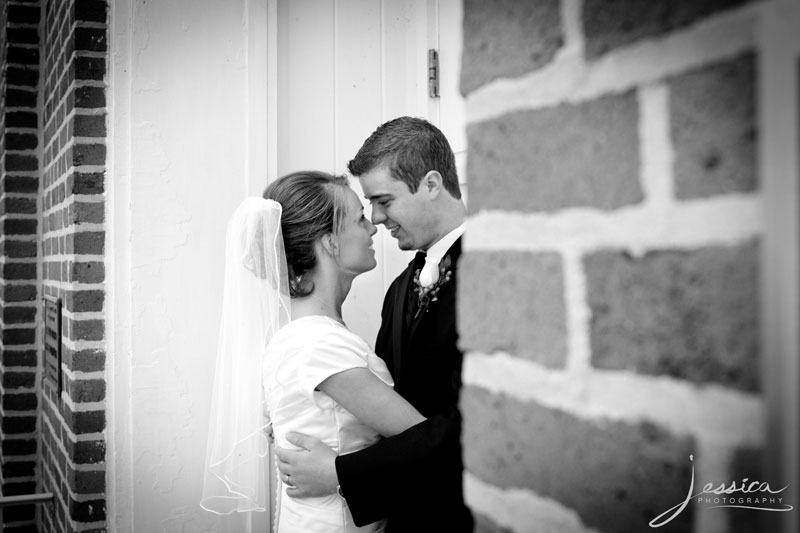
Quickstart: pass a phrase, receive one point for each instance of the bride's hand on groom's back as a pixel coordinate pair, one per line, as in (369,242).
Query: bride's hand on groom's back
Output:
(310,471)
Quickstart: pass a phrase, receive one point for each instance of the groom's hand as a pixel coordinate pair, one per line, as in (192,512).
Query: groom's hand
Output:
(310,471)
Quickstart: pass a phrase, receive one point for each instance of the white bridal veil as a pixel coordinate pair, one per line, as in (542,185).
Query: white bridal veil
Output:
(255,305)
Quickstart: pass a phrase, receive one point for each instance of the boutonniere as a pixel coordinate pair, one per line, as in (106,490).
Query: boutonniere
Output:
(430,294)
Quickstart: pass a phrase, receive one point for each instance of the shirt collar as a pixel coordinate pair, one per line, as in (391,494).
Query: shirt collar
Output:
(441,246)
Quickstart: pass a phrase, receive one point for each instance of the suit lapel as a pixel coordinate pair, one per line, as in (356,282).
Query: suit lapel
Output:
(399,318)
(453,252)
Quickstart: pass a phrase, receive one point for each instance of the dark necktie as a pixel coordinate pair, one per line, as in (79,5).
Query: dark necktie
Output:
(412,301)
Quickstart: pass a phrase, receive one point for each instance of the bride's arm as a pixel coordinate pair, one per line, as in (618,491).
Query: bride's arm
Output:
(371,401)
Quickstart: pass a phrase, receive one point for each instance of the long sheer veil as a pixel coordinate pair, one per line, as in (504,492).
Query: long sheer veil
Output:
(255,305)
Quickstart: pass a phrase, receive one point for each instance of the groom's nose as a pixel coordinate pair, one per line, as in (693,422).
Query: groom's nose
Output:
(378,216)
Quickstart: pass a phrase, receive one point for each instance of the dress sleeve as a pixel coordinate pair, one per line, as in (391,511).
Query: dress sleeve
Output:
(336,351)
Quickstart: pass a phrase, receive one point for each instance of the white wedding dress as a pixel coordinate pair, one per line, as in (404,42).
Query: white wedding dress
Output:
(300,356)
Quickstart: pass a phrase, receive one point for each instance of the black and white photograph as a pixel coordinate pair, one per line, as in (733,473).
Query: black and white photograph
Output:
(399,266)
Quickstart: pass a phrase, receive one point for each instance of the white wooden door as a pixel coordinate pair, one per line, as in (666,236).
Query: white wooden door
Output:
(343,68)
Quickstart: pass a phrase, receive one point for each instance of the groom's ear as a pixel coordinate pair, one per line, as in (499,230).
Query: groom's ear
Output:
(432,182)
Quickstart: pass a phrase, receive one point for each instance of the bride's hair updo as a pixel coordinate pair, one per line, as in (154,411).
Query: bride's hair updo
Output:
(313,204)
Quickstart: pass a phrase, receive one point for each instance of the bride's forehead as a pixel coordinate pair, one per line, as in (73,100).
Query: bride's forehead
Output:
(351,200)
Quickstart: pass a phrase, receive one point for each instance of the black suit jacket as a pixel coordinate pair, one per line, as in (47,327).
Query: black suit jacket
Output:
(415,478)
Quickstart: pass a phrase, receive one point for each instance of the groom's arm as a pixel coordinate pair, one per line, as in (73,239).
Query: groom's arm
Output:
(375,479)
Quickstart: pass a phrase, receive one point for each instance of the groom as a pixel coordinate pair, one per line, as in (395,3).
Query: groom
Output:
(407,172)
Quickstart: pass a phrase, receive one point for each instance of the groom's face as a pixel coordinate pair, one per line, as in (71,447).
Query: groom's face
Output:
(405,214)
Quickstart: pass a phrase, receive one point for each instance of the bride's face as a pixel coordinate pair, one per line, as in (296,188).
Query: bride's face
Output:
(355,248)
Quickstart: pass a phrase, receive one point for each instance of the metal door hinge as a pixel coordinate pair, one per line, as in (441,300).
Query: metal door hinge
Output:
(433,73)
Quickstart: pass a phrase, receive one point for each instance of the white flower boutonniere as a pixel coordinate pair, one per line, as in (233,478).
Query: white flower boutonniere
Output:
(430,294)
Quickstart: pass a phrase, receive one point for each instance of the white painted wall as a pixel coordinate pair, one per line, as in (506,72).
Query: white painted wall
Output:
(188,127)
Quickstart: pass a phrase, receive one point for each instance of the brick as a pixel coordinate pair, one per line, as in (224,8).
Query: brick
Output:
(24,206)
(21,162)
(508,38)
(691,315)
(23,14)
(616,476)
(88,154)
(87,481)
(25,184)
(18,357)
(24,401)
(86,183)
(19,447)
(521,311)
(19,271)
(20,55)
(52,271)
(17,226)
(90,68)
(90,10)
(86,390)
(20,98)
(19,250)
(713,128)
(18,336)
(19,424)
(85,421)
(87,212)
(87,330)
(19,513)
(90,97)
(87,242)
(13,379)
(18,314)
(87,360)
(21,141)
(86,452)
(22,35)
(85,301)
(18,489)
(87,511)
(26,76)
(611,24)
(87,272)
(90,39)
(12,469)
(571,155)
(90,125)
(22,119)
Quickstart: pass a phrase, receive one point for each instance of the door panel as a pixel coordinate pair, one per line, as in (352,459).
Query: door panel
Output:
(344,68)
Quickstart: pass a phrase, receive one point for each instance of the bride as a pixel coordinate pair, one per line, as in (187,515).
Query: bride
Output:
(286,357)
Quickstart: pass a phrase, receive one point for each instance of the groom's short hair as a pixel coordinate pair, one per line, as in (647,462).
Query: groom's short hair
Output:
(410,148)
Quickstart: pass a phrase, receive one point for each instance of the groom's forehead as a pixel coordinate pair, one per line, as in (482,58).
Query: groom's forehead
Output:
(375,186)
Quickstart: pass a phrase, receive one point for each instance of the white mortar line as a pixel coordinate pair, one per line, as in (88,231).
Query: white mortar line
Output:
(578,313)
(573,29)
(711,466)
(520,509)
(656,151)
(709,411)
(82,407)
(723,220)
(78,375)
(570,79)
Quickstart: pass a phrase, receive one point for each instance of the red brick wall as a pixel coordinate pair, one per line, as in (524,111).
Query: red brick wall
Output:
(612,319)
(19,182)
(74,58)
